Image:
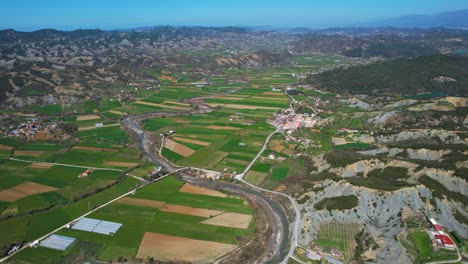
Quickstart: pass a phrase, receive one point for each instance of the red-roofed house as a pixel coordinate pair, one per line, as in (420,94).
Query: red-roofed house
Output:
(446,241)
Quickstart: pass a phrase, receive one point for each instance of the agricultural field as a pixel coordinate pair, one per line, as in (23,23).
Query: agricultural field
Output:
(338,236)
(42,185)
(211,141)
(27,187)
(251,99)
(41,176)
(159,218)
(168,99)
(276,163)
(104,153)
(28,227)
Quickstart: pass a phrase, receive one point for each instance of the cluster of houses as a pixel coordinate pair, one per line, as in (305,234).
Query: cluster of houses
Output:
(146,84)
(33,129)
(439,238)
(292,121)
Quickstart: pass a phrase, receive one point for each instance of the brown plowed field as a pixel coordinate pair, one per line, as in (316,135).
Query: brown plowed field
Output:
(180,209)
(87,117)
(270,98)
(121,164)
(238,106)
(141,202)
(172,248)
(29,153)
(162,105)
(273,93)
(222,127)
(189,188)
(116,112)
(176,103)
(32,188)
(3,147)
(95,149)
(168,78)
(22,190)
(94,127)
(178,148)
(193,141)
(278,148)
(230,220)
(40,165)
(9,195)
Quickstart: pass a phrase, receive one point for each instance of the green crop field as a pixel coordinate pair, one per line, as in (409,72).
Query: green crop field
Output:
(29,227)
(65,179)
(113,134)
(279,173)
(423,244)
(220,136)
(425,253)
(138,219)
(334,235)
(262,99)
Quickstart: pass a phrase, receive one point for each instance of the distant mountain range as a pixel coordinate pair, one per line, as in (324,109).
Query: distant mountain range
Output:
(453,19)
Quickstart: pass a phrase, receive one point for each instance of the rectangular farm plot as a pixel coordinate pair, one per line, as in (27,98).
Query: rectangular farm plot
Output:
(193,141)
(189,188)
(29,153)
(57,242)
(256,177)
(22,190)
(87,117)
(173,248)
(180,209)
(3,147)
(97,226)
(222,127)
(235,220)
(95,149)
(178,148)
(41,165)
(174,107)
(121,164)
(141,202)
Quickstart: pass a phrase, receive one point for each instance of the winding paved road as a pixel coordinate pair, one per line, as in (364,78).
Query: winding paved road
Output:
(296,225)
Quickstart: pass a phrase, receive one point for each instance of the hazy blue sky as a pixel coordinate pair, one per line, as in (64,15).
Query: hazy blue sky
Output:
(113,14)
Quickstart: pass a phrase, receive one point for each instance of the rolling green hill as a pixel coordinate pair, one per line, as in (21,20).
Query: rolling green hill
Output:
(399,76)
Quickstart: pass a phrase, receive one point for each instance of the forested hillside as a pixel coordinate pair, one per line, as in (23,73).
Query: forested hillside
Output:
(440,73)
